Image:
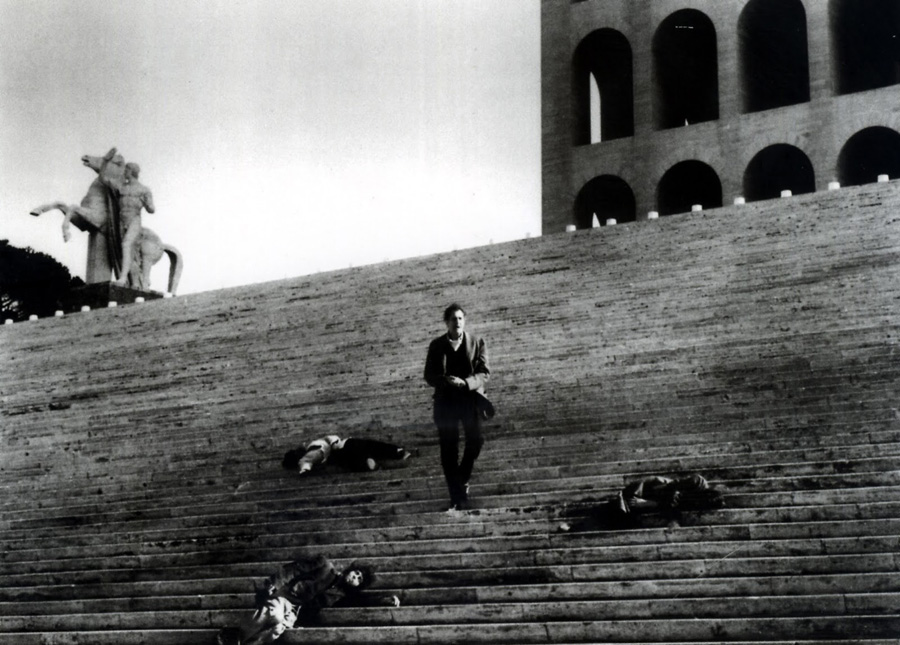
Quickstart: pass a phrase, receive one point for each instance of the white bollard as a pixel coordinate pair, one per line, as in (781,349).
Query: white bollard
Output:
(85,308)
(8,321)
(169,294)
(58,313)
(139,299)
(883,178)
(653,215)
(570,228)
(696,208)
(786,193)
(112,304)
(32,317)
(834,185)
(739,201)
(611,221)
(595,223)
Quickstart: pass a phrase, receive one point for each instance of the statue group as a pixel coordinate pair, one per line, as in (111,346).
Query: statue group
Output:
(118,244)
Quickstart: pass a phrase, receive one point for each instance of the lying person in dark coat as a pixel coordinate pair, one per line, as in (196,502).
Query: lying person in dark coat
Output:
(298,592)
(351,453)
(310,455)
(666,496)
(366,454)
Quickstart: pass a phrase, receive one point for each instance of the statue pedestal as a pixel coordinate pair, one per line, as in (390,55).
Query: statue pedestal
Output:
(98,296)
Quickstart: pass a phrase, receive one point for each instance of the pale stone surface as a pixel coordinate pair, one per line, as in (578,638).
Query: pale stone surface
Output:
(107,255)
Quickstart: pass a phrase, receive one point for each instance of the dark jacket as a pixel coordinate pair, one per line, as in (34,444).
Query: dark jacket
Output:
(303,579)
(436,364)
(313,582)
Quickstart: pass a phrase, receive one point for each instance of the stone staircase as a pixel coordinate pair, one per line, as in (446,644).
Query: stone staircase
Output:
(141,446)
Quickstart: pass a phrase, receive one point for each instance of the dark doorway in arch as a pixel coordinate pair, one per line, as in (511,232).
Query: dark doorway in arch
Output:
(866,37)
(867,154)
(602,91)
(776,168)
(774,54)
(609,197)
(688,183)
(685,70)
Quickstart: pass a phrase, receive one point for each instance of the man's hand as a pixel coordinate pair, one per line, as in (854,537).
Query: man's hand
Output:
(455,381)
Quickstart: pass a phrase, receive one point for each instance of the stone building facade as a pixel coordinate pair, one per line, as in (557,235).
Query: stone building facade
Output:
(661,105)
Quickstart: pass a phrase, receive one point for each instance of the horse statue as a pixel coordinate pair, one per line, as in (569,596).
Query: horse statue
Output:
(96,215)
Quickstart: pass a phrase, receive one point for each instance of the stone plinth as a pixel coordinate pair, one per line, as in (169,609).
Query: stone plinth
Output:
(98,296)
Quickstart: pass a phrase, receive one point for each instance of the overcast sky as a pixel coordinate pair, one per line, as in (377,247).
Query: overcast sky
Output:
(279,137)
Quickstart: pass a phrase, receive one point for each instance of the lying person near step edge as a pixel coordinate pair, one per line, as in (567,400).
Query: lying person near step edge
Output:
(354,453)
(667,496)
(350,453)
(308,456)
(298,592)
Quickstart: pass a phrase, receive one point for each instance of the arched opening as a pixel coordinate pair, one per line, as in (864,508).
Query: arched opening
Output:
(867,154)
(777,168)
(688,183)
(602,66)
(685,70)
(774,57)
(607,197)
(866,37)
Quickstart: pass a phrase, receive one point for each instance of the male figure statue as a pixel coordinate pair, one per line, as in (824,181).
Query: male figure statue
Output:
(131,196)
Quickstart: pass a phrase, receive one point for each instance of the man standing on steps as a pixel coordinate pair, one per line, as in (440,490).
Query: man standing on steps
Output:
(457,369)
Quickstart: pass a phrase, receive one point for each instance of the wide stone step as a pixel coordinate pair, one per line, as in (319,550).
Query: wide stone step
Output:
(756,492)
(414,539)
(856,629)
(783,459)
(851,605)
(236,593)
(628,418)
(275,547)
(724,567)
(119,637)
(620,408)
(408,484)
(506,521)
(382,636)
(509,522)
(612,438)
(33,432)
(494,466)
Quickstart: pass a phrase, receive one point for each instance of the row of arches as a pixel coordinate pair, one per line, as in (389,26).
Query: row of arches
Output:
(773,64)
(870,152)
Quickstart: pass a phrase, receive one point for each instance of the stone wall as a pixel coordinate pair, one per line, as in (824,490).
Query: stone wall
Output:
(819,128)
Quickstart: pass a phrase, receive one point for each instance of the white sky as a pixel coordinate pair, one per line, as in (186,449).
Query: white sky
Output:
(279,137)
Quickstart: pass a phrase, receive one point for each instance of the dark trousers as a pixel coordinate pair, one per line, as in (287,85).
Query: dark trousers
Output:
(355,452)
(449,414)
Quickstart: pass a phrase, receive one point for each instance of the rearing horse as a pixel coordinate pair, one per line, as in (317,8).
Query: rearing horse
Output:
(95,215)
